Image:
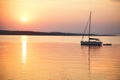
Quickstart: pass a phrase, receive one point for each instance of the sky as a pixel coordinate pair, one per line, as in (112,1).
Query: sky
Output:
(60,15)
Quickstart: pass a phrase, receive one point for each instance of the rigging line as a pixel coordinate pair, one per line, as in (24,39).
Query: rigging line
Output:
(85,30)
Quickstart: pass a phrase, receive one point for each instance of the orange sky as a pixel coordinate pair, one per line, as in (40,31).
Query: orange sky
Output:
(60,15)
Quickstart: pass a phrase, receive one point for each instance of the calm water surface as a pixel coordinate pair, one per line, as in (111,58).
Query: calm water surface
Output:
(58,58)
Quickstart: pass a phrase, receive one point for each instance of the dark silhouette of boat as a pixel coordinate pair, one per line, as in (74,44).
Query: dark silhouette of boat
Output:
(107,44)
(91,41)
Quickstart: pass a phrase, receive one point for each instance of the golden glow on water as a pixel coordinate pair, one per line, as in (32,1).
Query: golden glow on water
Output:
(57,58)
(24,48)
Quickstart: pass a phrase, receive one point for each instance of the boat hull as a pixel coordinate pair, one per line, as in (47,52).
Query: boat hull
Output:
(107,44)
(91,43)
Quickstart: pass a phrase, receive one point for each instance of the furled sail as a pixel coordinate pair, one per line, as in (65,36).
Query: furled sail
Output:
(94,39)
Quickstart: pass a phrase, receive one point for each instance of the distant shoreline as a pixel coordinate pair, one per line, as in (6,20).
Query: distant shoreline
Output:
(7,32)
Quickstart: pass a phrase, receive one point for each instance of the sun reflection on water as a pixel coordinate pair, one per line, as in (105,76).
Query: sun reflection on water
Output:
(24,48)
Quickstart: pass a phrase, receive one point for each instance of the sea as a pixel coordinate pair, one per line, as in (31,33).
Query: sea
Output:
(24,57)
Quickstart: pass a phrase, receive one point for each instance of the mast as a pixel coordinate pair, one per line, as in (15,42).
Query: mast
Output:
(90,25)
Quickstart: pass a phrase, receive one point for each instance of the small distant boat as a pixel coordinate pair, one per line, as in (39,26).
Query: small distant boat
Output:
(107,44)
(91,41)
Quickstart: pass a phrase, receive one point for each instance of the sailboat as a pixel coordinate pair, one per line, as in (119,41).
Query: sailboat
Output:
(91,41)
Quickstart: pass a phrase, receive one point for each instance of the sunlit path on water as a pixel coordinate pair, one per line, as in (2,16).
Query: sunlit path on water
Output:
(24,48)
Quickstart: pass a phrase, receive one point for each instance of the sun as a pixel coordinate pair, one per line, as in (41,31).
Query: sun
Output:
(24,19)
